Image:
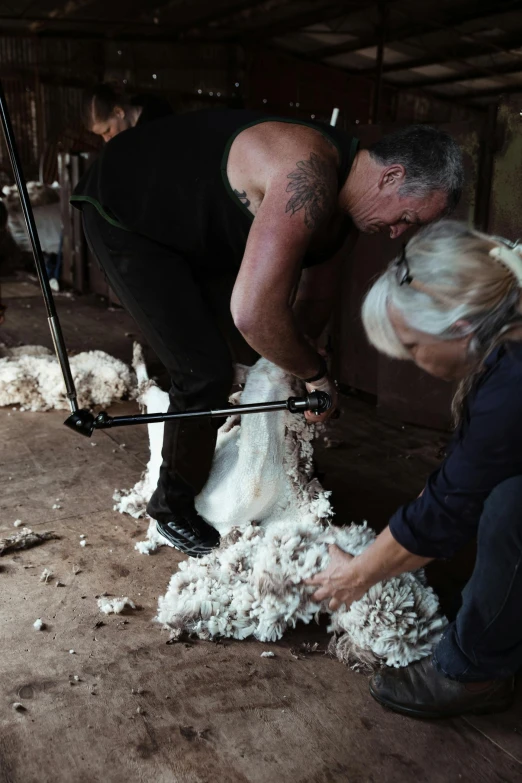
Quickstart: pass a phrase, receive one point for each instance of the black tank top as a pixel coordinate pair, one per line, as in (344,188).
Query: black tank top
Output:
(167,181)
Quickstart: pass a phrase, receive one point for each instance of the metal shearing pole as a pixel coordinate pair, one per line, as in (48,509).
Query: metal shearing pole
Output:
(52,315)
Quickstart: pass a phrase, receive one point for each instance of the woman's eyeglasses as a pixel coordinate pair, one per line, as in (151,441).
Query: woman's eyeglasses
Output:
(405,277)
(403,273)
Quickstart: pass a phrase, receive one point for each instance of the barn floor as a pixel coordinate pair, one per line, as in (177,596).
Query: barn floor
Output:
(127,706)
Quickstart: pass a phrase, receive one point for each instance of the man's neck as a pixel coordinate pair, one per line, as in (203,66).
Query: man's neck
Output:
(360,182)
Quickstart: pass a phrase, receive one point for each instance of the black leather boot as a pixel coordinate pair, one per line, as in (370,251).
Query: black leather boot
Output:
(421,691)
(189,533)
(188,448)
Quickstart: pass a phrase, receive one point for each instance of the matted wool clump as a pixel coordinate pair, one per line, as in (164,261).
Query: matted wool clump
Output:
(275,521)
(115,605)
(31,377)
(134,501)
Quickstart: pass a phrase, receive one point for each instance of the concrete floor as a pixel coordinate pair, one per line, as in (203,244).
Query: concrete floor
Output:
(143,710)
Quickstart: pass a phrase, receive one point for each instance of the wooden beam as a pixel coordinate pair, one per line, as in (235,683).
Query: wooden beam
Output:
(100,33)
(464,76)
(70,8)
(421,26)
(490,92)
(363,74)
(95,31)
(132,29)
(295,22)
(459,50)
(377,87)
(199,25)
(190,18)
(126,14)
(38,26)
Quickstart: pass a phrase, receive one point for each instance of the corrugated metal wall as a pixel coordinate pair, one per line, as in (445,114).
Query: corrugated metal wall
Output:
(44,82)
(43,85)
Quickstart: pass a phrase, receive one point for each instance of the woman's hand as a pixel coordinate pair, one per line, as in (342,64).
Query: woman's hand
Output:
(339,582)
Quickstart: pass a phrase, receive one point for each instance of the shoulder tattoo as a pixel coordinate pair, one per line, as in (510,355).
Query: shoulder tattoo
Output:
(242,197)
(313,184)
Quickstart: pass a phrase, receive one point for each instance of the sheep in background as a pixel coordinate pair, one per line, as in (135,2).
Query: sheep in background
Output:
(39,194)
(14,240)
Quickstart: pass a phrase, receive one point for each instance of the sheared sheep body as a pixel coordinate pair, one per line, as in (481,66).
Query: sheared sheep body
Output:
(274,518)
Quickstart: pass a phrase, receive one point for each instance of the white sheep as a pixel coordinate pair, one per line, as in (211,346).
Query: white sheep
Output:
(274,518)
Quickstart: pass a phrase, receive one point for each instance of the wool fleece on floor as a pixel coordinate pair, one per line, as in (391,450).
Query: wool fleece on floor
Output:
(275,520)
(31,377)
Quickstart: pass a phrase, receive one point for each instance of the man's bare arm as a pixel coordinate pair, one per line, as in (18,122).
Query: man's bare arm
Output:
(318,291)
(298,200)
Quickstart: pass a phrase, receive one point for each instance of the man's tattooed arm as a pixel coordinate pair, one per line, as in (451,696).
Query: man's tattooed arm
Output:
(242,197)
(314,188)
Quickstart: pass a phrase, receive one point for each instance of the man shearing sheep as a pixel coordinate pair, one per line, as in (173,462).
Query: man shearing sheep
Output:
(219,224)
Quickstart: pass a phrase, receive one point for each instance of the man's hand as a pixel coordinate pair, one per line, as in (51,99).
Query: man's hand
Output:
(325,384)
(338,582)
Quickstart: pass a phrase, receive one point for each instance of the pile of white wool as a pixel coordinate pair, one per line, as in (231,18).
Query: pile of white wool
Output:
(275,521)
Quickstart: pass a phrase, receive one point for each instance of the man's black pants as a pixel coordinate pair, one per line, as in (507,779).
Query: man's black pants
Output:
(186,320)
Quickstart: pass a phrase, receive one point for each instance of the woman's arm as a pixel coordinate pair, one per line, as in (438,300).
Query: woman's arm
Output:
(347,578)
(485,452)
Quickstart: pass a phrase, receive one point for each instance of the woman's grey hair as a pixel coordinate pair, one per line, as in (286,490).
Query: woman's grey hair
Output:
(446,284)
(431,158)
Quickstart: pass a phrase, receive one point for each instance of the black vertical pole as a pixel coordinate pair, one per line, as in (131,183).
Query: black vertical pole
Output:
(377,86)
(52,315)
(488,147)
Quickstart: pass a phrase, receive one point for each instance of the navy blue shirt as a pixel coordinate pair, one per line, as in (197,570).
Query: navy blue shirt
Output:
(485,451)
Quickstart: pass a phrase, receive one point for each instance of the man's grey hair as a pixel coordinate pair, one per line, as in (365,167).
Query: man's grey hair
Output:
(431,158)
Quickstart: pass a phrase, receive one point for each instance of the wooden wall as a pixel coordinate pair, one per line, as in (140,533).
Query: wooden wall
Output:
(44,83)
(281,84)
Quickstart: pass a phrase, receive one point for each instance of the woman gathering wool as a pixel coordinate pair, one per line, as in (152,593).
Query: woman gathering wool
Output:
(452,304)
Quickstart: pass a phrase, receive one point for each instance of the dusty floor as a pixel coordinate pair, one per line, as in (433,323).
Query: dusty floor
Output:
(144,710)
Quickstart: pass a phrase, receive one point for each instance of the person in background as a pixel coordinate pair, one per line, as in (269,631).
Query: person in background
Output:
(108,111)
(452,303)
